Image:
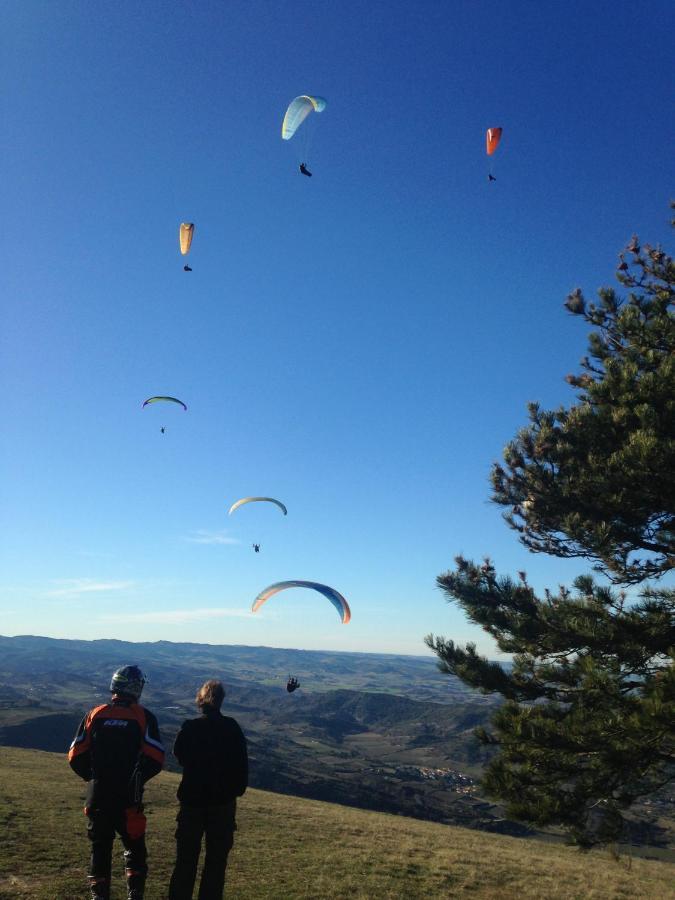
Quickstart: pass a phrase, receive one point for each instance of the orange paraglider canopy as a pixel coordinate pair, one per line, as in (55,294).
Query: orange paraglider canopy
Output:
(492,139)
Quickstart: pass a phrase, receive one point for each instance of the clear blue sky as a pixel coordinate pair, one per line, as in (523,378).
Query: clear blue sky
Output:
(360,345)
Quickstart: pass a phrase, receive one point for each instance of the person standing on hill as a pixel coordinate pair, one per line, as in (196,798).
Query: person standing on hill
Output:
(212,751)
(116,749)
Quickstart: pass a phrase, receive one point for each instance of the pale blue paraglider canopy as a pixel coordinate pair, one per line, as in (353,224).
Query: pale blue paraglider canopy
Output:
(258,500)
(297,112)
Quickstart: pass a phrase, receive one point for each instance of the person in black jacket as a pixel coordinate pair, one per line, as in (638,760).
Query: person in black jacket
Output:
(212,751)
(117,749)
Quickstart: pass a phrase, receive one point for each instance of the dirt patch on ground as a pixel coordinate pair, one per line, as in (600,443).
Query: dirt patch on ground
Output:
(12,886)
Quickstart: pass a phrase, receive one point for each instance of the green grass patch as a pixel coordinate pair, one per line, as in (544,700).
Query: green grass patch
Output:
(288,848)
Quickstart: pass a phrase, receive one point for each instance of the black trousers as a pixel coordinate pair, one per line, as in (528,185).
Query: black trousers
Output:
(129,823)
(217,825)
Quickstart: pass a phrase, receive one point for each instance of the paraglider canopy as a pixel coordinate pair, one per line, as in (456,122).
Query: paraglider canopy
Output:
(297,112)
(185,233)
(168,399)
(258,500)
(492,139)
(335,598)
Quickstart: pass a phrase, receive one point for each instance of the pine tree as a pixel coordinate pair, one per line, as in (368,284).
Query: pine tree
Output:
(588,723)
(597,480)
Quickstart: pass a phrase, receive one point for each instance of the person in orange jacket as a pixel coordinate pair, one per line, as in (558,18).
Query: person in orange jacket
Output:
(116,750)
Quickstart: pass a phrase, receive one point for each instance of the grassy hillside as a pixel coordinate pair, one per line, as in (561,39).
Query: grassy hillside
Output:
(291,848)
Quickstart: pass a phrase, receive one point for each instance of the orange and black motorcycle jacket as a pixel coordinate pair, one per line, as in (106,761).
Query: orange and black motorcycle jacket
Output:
(117,749)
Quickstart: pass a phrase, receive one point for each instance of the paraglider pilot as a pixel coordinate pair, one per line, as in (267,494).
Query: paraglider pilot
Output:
(292,685)
(305,170)
(256,547)
(186,268)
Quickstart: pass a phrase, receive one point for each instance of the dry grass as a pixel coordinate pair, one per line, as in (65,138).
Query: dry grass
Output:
(292,848)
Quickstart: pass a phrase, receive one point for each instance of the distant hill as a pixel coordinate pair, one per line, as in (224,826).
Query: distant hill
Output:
(89,664)
(378,732)
(288,848)
(361,730)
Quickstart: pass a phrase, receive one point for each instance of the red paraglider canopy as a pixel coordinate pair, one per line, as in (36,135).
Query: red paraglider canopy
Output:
(492,139)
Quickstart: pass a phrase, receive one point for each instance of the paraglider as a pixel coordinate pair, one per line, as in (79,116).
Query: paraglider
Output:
(297,112)
(257,500)
(167,399)
(245,500)
(292,684)
(492,139)
(330,593)
(185,234)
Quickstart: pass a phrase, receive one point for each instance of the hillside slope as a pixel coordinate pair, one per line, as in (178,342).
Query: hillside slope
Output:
(290,848)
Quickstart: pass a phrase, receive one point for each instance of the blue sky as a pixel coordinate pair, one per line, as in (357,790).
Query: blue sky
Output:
(360,345)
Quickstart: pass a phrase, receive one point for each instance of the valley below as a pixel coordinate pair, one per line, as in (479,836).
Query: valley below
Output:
(378,732)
